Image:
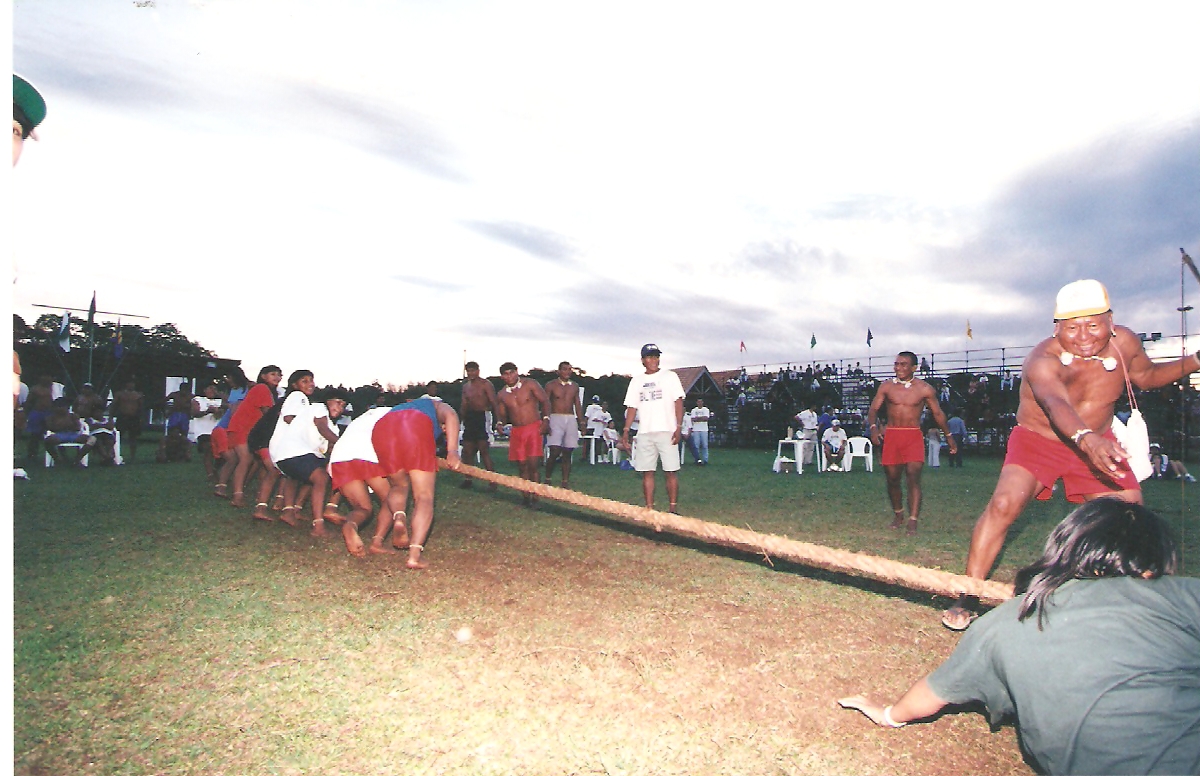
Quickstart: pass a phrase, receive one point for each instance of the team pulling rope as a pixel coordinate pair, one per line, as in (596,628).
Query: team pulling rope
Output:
(768,545)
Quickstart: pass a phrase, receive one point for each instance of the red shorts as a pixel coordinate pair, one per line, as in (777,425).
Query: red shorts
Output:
(235,438)
(1049,460)
(525,442)
(902,445)
(220,442)
(355,470)
(403,441)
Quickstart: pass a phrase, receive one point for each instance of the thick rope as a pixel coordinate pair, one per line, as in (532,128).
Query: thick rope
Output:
(768,545)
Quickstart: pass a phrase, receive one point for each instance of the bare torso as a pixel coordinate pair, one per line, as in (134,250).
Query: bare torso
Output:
(478,395)
(904,404)
(564,397)
(1091,390)
(40,398)
(522,402)
(127,403)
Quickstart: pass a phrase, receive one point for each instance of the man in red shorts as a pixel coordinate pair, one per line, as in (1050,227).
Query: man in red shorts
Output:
(1070,384)
(525,405)
(905,397)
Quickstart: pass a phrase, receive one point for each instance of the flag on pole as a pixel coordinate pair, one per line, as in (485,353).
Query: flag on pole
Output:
(743,346)
(92,310)
(870,336)
(119,347)
(813,342)
(969,334)
(64,333)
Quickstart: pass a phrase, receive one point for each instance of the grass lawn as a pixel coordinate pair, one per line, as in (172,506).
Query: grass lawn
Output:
(157,630)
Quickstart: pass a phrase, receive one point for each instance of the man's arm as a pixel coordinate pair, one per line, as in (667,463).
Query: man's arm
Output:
(543,401)
(448,418)
(873,413)
(501,410)
(1146,374)
(579,408)
(939,417)
(678,421)
(630,414)
(1042,376)
(919,702)
(322,424)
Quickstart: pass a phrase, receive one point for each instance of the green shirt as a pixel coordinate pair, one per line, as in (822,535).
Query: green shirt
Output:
(1110,685)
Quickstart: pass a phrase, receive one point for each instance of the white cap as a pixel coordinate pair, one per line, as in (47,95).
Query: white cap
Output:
(1080,299)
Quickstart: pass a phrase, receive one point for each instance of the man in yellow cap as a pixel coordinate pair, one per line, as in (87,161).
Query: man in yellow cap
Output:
(1071,383)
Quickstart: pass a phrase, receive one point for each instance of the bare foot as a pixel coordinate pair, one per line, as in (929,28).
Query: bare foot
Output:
(565,485)
(354,544)
(898,522)
(332,515)
(260,512)
(318,529)
(238,501)
(400,531)
(277,502)
(912,527)
(289,516)
(379,549)
(416,565)
(221,491)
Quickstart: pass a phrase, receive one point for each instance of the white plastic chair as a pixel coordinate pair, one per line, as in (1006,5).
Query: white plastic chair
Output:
(859,447)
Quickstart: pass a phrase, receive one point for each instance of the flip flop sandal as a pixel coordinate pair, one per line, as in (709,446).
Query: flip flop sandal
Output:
(952,618)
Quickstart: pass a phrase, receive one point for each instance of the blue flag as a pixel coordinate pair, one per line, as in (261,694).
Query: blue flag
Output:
(870,336)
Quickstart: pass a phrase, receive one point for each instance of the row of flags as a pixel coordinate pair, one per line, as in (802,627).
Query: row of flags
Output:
(812,343)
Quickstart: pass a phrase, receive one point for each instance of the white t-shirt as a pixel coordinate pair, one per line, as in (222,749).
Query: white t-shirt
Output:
(300,437)
(808,420)
(204,424)
(700,416)
(834,437)
(597,419)
(355,442)
(654,397)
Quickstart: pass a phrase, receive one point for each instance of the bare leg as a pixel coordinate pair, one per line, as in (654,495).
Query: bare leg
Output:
(320,483)
(289,510)
(331,512)
(423,485)
(673,490)
(567,454)
(485,458)
(895,493)
(555,455)
(244,460)
(648,488)
(265,488)
(912,472)
(360,503)
(531,469)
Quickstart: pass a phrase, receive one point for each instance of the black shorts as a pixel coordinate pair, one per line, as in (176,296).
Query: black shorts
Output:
(301,467)
(475,426)
(129,424)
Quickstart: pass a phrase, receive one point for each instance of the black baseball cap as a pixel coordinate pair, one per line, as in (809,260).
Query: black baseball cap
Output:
(650,349)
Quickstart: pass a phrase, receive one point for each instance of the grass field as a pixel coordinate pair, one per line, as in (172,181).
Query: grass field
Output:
(157,630)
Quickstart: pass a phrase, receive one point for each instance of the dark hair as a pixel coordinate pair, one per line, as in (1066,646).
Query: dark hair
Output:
(561,364)
(1103,538)
(266,369)
(471,365)
(910,354)
(299,374)
(237,377)
(507,365)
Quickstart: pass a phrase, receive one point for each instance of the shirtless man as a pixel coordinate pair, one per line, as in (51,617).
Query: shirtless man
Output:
(566,421)
(905,396)
(127,410)
(64,427)
(478,399)
(1069,386)
(525,405)
(37,408)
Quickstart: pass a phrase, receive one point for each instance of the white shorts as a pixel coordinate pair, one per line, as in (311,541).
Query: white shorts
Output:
(564,432)
(652,446)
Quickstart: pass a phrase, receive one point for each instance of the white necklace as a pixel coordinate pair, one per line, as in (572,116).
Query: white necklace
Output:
(511,388)
(1109,363)
(906,383)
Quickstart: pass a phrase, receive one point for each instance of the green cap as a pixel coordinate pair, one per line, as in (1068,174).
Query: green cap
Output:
(28,100)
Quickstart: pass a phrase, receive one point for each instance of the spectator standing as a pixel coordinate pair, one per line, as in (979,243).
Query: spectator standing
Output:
(701,416)
(655,398)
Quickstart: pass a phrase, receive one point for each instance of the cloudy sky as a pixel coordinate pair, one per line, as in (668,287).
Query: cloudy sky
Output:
(371,189)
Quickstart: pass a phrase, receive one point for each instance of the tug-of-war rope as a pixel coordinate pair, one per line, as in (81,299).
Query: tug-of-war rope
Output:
(767,545)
